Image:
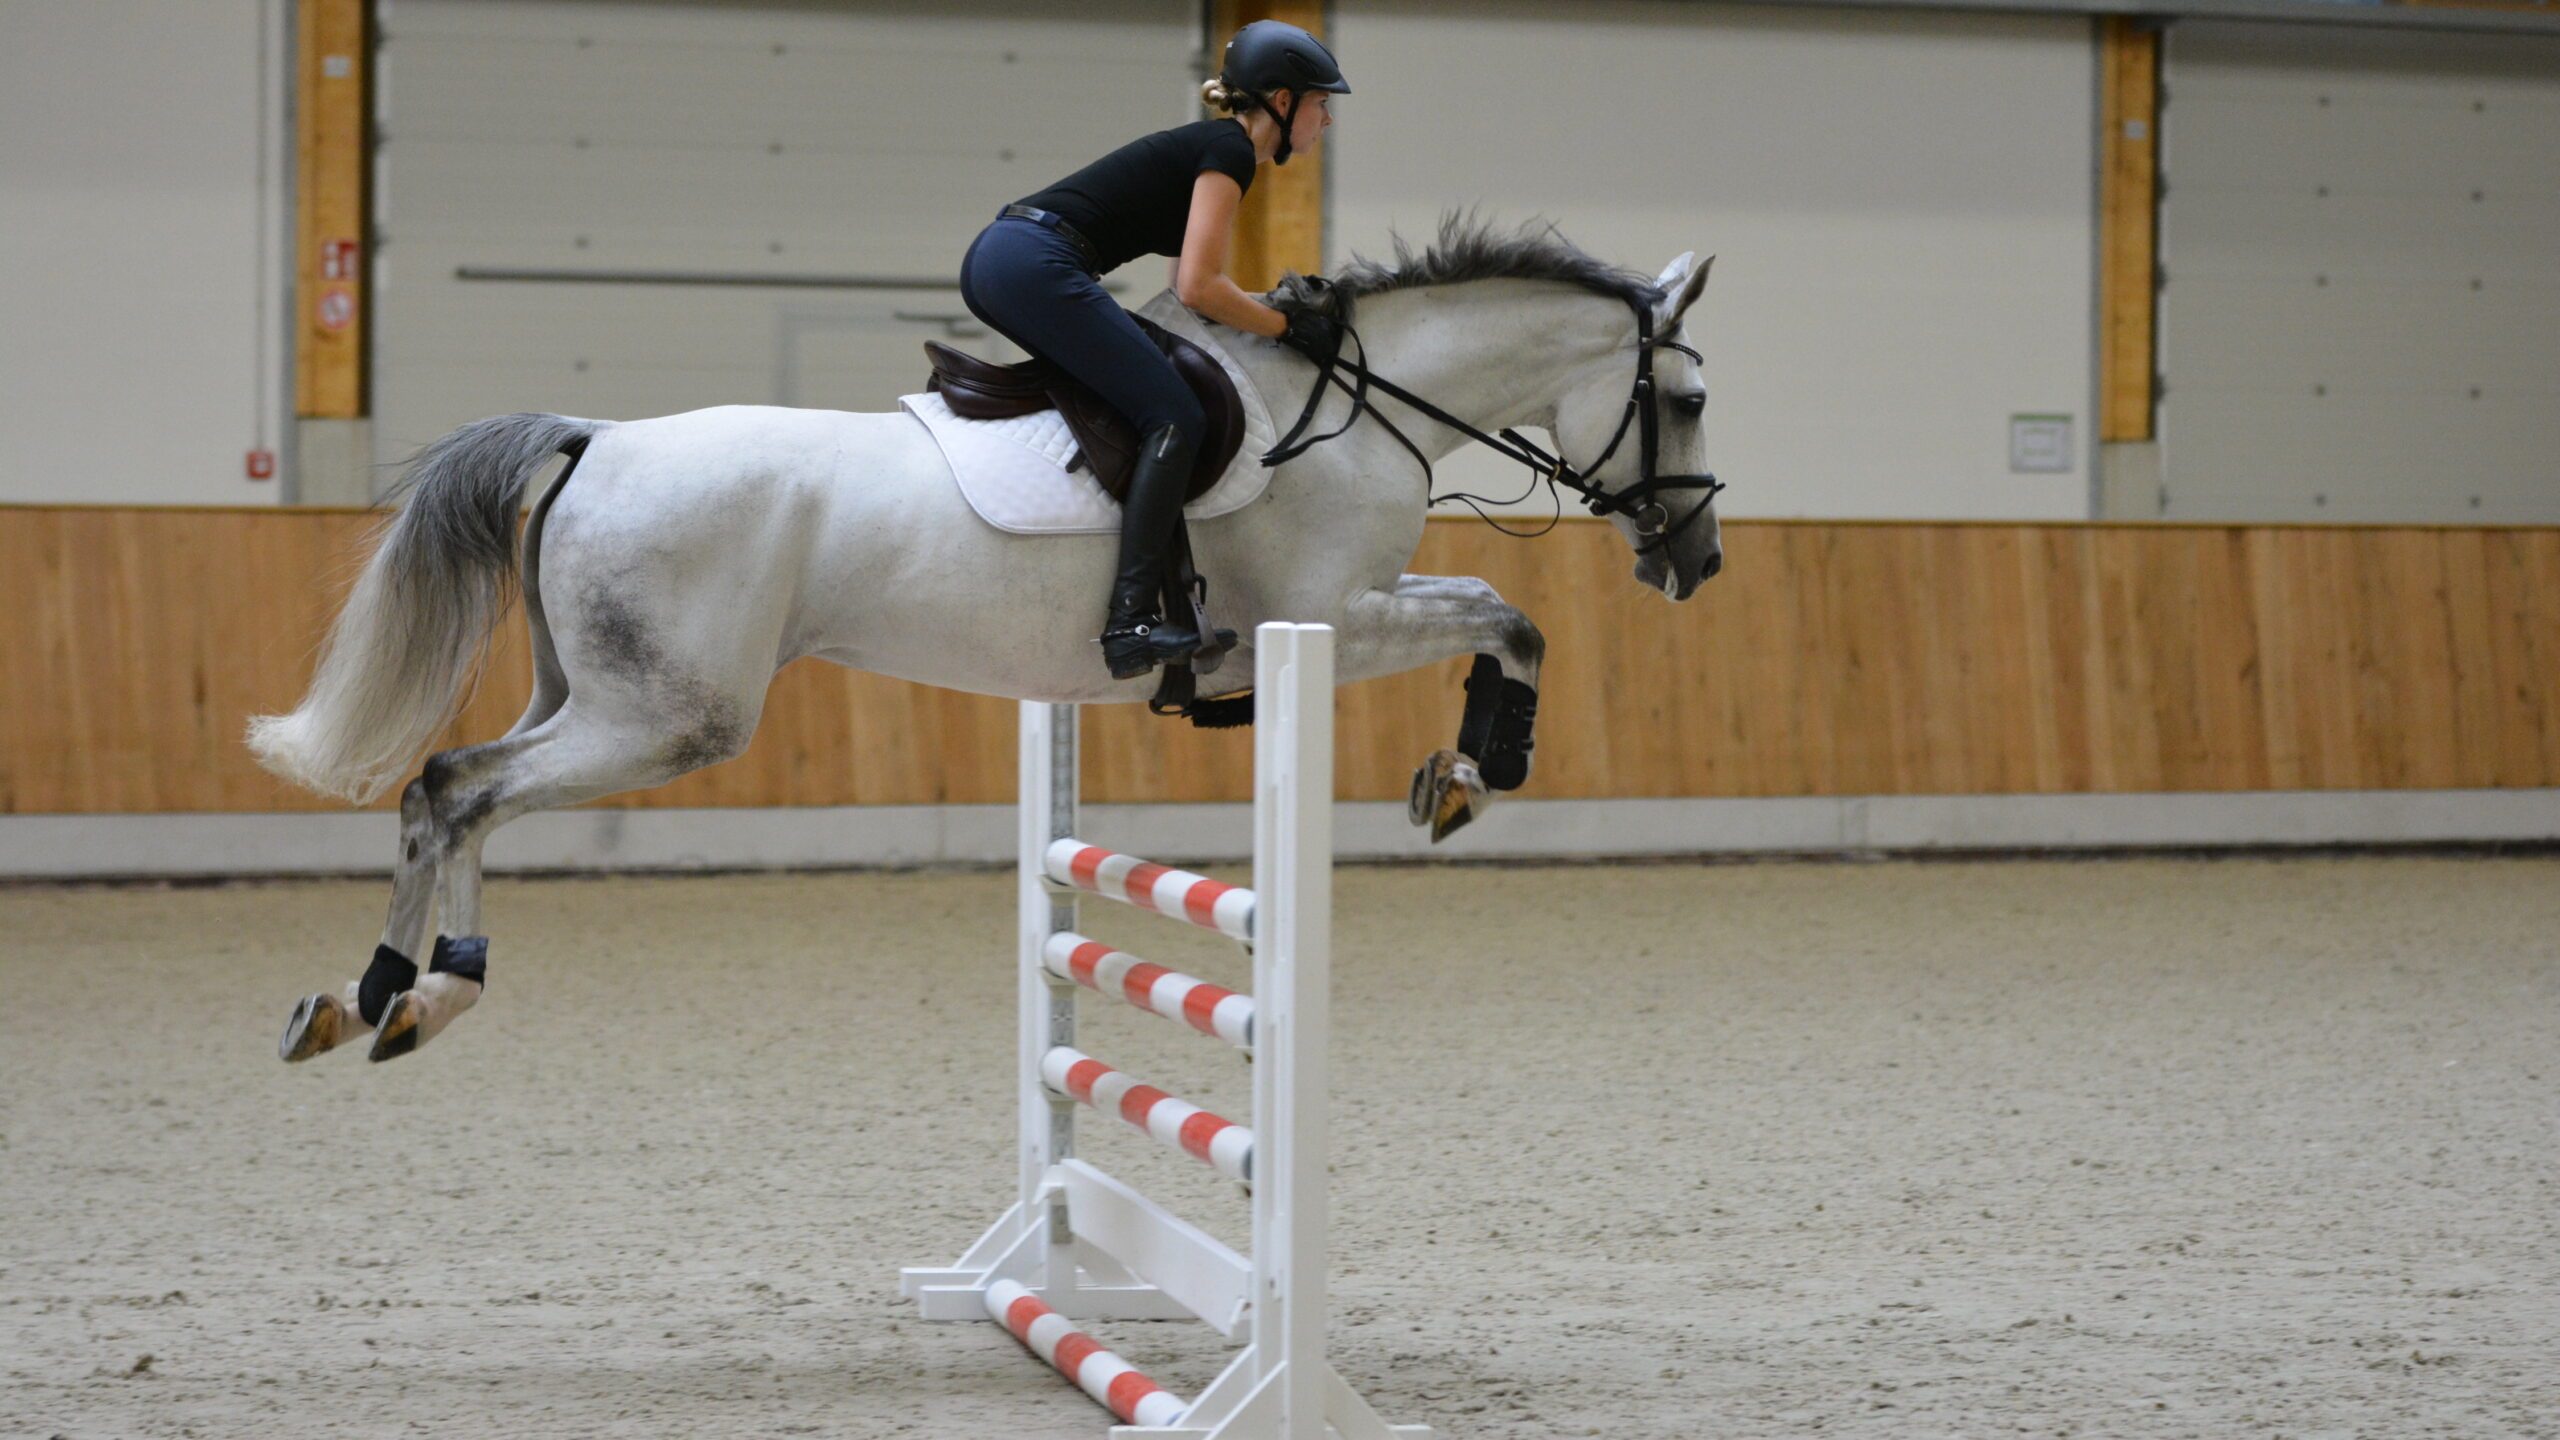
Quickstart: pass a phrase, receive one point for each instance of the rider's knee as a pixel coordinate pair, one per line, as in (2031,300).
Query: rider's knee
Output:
(1175,431)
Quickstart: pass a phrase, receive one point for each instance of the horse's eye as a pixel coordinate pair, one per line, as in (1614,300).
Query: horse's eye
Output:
(1691,404)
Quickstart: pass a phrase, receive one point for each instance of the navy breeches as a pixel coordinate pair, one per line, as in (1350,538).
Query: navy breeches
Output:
(1030,284)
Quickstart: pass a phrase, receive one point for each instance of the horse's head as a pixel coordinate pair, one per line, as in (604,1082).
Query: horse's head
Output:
(1668,513)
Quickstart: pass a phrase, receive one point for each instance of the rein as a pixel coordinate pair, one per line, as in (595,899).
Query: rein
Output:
(1652,517)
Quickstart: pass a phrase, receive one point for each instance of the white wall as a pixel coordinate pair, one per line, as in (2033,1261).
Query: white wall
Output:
(604,135)
(2362,317)
(1901,207)
(143,259)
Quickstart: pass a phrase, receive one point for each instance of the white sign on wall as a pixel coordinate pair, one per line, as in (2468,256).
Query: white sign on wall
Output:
(2040,445)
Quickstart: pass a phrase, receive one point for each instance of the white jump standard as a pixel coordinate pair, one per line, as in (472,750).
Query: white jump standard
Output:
(1079,1244)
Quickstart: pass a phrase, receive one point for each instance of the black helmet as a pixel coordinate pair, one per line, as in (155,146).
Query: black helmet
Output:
(1270,55)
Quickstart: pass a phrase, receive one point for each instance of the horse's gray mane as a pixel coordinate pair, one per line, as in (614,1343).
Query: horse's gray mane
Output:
(1467,249)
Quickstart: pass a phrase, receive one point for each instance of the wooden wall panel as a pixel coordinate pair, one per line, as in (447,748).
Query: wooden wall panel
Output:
(332,101)
(2128,223)
(1829,659)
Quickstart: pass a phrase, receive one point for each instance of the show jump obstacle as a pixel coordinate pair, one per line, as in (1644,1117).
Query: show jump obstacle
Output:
(1082,1245)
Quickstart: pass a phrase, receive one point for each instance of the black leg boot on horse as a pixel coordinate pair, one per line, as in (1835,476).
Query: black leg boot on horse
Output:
(1139,636)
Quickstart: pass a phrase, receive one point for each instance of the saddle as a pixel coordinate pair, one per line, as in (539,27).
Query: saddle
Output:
(1106,443)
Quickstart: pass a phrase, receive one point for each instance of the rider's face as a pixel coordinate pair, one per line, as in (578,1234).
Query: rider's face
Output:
(1315,116)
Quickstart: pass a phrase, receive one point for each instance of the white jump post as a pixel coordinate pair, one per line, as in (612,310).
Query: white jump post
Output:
(1080,1244)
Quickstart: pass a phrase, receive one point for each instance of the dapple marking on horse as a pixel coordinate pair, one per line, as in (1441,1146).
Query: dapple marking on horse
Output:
(678,562)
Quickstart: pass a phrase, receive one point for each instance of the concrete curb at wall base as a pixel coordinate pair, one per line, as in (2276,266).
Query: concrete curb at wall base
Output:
(106,846)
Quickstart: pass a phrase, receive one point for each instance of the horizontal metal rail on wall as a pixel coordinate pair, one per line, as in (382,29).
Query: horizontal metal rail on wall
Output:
(740,278)
(2542,21)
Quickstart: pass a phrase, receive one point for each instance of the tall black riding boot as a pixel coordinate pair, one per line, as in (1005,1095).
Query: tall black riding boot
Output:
(1136,638)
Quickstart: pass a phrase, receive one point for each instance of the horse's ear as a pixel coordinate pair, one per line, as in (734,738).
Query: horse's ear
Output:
(1680,286)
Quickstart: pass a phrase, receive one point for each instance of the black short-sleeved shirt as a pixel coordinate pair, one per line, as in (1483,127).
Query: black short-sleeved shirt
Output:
(1137,199)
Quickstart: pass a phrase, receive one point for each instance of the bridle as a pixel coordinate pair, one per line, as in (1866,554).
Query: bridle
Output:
(1637,502)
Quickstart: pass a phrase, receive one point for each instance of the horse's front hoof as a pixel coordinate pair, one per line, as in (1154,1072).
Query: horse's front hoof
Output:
(400,1030)
(1418,804)
(318,1025)
(1447,793)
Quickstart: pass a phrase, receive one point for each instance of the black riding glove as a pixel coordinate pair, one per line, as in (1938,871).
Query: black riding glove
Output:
(1313,335)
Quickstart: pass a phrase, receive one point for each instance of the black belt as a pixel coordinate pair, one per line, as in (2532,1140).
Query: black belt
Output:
(1057,222)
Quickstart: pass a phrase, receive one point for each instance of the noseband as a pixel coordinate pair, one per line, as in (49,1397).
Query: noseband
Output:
(1637,502)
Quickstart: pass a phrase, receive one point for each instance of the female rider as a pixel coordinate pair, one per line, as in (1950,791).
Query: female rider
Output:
(1032,275)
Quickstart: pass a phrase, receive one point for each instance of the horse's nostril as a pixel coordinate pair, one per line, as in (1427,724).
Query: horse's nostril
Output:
(1715,562)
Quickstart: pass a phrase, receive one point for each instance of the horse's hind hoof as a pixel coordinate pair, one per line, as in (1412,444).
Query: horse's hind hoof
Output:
(397,1035)
(318,1025)
(420,1013)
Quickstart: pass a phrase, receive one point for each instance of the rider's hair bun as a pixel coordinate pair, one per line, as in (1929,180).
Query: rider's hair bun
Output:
(1215,94)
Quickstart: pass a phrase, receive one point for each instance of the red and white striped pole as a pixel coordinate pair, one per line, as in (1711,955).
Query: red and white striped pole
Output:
(1078,1356)
(1179,894)
(1204,1007)
(1224,1144)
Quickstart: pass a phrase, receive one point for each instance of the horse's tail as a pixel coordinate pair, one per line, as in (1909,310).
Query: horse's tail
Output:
(415,625)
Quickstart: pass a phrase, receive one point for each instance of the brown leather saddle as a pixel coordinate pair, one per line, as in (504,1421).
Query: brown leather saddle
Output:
(1106,443)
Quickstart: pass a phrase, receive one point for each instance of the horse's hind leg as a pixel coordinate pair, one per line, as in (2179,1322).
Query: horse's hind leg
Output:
(324,1021)
(585,753)
(458,786)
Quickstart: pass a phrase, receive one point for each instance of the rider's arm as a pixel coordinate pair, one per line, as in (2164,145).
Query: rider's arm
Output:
(1200,277)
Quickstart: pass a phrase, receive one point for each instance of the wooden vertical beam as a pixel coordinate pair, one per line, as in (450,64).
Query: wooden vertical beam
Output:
(1281,225)
(2128,225)
(332,99)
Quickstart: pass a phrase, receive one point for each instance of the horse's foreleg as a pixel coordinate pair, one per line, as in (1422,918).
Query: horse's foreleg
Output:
(1429,618)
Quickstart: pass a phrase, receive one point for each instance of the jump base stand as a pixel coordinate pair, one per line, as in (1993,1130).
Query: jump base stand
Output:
(1080,1244)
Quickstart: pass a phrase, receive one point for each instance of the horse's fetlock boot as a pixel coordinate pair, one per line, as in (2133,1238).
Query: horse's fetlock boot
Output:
(1504,772)
(1483,687)
(464,959)
(1499,725)
(1505,762)
(390,973)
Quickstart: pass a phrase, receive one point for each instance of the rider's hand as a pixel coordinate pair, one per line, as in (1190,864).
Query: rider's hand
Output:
(1313,335)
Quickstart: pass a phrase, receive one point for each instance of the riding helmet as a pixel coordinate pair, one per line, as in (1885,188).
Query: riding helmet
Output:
(1270,55)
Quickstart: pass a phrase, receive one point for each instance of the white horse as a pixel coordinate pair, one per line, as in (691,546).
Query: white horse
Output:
(697,554)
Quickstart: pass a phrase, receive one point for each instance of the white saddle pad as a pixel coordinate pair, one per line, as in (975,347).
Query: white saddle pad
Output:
(1014,472)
